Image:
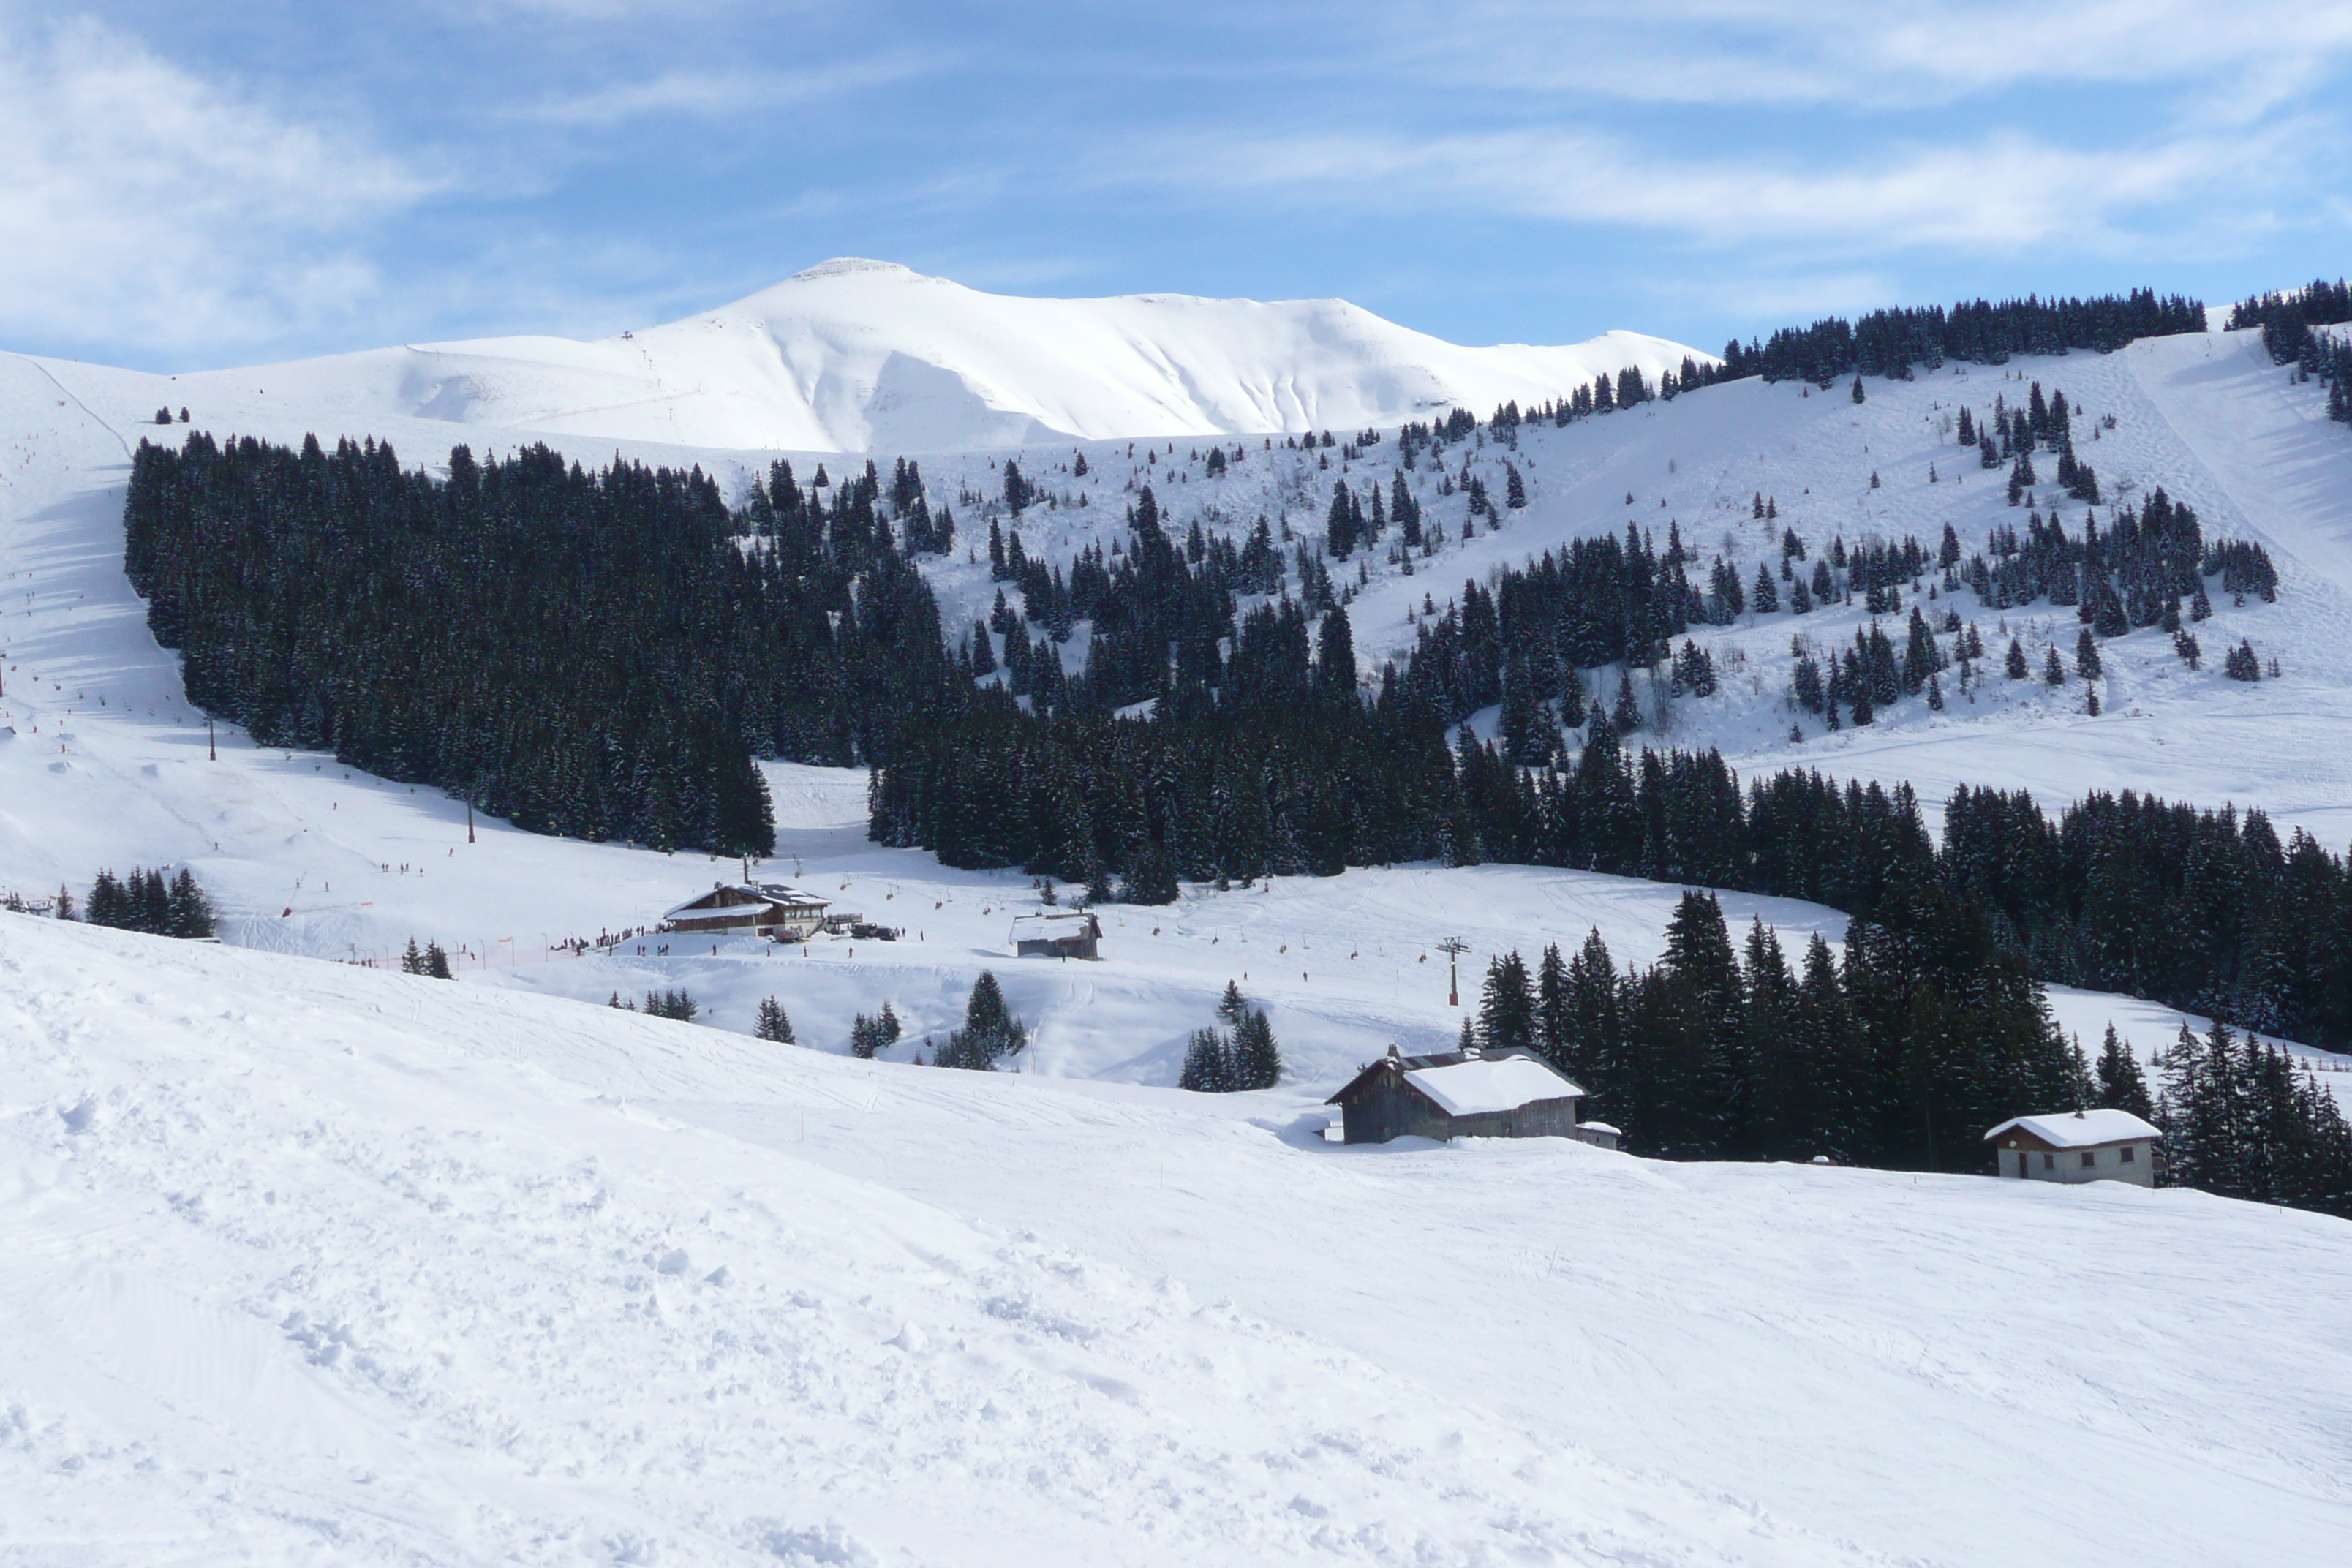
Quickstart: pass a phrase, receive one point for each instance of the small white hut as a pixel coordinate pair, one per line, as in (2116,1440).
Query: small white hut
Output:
(2085,1146)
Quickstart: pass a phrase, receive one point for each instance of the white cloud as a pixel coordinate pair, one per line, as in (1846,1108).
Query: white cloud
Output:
(146,210)
(1868,53)
(713,95)
(2000,195)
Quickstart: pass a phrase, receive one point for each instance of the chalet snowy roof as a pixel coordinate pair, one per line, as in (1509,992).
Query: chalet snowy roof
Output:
(2082,1129)
(742,896)
(1484,1085)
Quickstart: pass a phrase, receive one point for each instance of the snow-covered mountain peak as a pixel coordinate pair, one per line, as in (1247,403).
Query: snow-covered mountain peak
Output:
(841,266)
(855,354)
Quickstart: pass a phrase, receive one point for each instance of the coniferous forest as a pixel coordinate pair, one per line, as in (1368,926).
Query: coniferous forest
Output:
(1929,1030)
(594,655)
(494,634)
(2287,319)
(1891,342)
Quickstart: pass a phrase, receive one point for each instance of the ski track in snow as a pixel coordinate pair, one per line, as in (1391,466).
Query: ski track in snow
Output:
(315,1264)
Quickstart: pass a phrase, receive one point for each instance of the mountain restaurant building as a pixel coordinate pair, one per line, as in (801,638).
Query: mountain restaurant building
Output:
(758,909)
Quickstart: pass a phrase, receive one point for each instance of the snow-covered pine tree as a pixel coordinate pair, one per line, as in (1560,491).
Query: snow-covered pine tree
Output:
(990,1030)
(1208,1066)
(1258,1060)
(2088,663)
(2121,1085)
(1507,1008)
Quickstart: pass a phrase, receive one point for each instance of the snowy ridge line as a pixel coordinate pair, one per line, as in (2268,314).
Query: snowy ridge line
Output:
(858,356)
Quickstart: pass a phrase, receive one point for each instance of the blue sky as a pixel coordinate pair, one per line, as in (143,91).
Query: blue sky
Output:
(183,185)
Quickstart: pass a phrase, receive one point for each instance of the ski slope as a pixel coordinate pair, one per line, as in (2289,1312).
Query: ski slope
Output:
(316,1264)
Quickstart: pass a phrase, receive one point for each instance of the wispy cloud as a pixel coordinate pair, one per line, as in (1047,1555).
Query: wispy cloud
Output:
(2000,193)
(715,94)
(1861,53)
(140,204)
(259,180)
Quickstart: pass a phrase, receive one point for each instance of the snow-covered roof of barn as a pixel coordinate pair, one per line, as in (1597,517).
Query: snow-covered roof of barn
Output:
(1055,924)
(1484,1085)
(2082,1129)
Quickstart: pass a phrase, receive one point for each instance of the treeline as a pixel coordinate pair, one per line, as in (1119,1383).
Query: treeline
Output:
(1892,342)
(1289,773)
(146,900)
(598,655)
(2286,321)
(2204,909)
(1928,1031)
(2240,1120)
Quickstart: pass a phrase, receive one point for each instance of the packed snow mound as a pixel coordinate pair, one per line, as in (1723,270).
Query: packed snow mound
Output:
(859,355)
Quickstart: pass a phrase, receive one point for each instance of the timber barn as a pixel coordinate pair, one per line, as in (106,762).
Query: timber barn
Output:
(1073,933)
(1471,1094)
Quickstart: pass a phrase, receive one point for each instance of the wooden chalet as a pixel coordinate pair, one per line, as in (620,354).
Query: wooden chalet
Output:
(2084,1146)
(1471,1094)
(759,909)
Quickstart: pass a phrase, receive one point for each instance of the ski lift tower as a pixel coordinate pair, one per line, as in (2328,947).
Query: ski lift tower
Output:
(1452,947)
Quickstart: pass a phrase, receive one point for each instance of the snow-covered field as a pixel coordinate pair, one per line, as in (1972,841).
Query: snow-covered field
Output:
(311,1264)
(322,1264)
